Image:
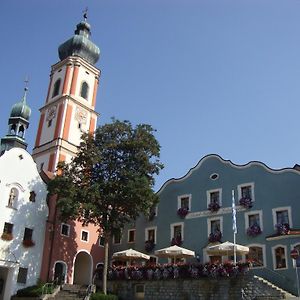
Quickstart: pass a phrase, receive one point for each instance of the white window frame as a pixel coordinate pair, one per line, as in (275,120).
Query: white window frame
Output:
(274,257)
(288,208)
(172,230)
(213,191)
(292,247)
(61,226)
(254,212)
(263,246)
(128,235)
(214,219)
(88,236)
(184,196)
(114,239)
(155,233)
(240,186)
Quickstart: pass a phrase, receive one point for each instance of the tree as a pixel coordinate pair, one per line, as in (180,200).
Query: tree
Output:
(110,181)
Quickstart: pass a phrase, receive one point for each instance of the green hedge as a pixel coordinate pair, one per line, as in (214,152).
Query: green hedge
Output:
(100,296)
(33,291)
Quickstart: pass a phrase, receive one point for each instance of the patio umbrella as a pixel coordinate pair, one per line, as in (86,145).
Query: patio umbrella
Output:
(174,252)
(227,248)
(130,254)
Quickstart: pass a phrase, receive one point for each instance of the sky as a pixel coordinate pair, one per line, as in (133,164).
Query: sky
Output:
(211,76)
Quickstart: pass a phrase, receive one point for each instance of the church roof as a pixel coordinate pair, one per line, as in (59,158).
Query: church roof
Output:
(80,45)
(21,109)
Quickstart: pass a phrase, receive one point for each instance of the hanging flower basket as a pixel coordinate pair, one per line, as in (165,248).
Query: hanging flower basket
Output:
(214,206)
(149,245)
(254,230)
(182,212)
(246,202)
(215,236)
(283,228)
(6,236)
(176,241)
(28,243)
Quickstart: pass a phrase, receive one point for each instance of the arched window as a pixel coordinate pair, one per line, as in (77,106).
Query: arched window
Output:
(56,88)
(280,258)
(13,197)
(84,90)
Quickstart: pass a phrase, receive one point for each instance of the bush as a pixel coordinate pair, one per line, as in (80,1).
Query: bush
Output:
(33,291)
(100,296)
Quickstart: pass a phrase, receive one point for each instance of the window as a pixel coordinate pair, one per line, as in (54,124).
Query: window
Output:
(152,213)
(117,237)
(28,234)
(101,240)
(22,275)
(214,229)
(253,222)
(49,123)
(282,215)
(214,196)
(184,201)
(246,190)
(151,234)
(56,88)
(131,236)
(65,229)
(7,232)
(256,256)
(13,197)
(84,236)
(84,90)
(279,257)
(177,234)
(32,196)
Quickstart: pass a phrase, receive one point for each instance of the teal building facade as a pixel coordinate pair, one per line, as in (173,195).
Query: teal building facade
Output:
(195,212)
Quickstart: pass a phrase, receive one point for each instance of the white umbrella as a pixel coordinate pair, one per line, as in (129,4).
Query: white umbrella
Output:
(174,252)
(130,254)
(227,248)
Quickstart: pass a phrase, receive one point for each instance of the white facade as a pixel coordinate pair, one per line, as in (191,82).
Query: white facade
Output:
(23,204)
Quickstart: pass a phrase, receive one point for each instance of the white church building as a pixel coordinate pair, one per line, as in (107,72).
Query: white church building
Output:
(23,207)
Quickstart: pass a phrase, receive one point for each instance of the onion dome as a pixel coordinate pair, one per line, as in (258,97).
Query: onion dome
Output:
(80,45)
(21,109)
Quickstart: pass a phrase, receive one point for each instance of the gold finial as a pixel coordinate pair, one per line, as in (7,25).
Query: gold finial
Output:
(85,14)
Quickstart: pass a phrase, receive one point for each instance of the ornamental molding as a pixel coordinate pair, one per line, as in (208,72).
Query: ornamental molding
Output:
(81,115)
(208,213)
(51,112)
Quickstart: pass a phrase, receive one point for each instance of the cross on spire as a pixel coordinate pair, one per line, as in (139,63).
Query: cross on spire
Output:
(85,14)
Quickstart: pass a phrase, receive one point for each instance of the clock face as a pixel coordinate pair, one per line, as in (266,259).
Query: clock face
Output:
(51,113)
(81,115)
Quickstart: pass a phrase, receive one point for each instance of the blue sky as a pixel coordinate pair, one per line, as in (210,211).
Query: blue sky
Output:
(211,76)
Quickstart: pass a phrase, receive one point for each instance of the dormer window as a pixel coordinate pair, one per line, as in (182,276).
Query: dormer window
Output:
(84,90)
(56,88)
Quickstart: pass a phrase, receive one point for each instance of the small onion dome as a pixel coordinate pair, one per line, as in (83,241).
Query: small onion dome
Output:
(80,45)
(21,109)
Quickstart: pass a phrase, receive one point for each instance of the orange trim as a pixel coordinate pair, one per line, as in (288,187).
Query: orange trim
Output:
(51,162)
(92,125)
(95,92)
(58,121)
(67,79)
(49,87)
(39,133)
(74,80)
(67,122)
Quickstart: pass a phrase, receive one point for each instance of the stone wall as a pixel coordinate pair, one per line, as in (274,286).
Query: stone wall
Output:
(243,287)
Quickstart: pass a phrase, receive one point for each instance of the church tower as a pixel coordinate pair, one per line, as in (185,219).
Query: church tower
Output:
(18,123)
(69,109)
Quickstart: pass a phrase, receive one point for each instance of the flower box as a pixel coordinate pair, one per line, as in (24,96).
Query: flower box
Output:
(215,236)
(246,202)
(149,245)
(283,228)
(254,230)
(214,206)
(176,241)
(6,236)
(28,243)
(182,212)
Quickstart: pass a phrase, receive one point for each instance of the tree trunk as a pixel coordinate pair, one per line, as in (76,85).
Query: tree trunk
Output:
(105,267)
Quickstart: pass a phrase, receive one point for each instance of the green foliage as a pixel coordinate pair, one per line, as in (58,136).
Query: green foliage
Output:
(100,296)
(110,181)
(33,291)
